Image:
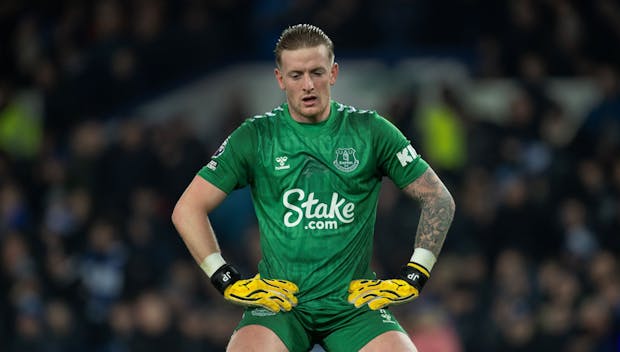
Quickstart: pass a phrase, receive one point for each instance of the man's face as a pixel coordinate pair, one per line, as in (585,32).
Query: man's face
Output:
(306,76)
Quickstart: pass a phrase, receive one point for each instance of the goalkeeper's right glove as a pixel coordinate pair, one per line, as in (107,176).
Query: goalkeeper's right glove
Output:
(275,295)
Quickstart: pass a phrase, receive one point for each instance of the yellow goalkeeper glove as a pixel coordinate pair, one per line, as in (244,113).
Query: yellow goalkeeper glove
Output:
(275,295)
(381,293)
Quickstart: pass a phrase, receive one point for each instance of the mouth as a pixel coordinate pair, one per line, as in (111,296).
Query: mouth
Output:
(309,100)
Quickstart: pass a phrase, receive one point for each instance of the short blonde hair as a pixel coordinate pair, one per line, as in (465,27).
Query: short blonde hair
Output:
(302,36)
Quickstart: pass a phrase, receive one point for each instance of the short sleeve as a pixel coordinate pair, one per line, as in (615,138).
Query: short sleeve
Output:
(229,167)
(396,156)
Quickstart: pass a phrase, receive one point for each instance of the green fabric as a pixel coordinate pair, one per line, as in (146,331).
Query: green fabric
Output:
(344,330)
(315,191)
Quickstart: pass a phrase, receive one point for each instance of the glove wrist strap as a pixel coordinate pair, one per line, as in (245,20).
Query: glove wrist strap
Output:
(415,274)
(225,276)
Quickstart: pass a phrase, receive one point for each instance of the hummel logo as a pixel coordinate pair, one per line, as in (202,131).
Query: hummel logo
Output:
(282,165)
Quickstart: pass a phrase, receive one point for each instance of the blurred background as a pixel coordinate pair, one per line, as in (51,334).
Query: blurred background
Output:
(108,108)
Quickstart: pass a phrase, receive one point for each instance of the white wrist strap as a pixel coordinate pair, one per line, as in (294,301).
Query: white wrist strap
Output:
(211,263)
(424,257)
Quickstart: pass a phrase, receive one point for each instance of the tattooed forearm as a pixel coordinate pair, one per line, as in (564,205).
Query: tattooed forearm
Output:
(437,210)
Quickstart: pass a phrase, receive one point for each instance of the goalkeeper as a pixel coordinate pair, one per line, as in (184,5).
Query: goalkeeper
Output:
(314,167)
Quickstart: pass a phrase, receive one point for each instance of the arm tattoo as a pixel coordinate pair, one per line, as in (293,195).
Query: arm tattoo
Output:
(437,210)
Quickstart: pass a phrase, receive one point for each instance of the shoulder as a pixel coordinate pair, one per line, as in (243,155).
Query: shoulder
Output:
(353,112)
(362,117)
(266,118)
(260,123)
(356,117)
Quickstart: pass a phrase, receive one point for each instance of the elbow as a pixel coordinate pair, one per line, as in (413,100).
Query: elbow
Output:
(186,214)
(451,200)
(451,206)
(447,201)
(177,215)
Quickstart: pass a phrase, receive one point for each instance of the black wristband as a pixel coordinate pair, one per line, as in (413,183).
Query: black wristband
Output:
(415,277)
(225,276)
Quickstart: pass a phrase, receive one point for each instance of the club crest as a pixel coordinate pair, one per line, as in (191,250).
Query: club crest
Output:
(346,160)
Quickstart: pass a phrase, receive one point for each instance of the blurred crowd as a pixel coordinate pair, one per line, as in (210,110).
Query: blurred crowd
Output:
(99,56)
(89,259)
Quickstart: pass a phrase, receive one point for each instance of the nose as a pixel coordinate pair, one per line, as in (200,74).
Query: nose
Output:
(308,85)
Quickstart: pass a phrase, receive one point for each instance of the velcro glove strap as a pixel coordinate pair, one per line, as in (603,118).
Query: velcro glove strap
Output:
(415,274)
(275,295)
(225,276)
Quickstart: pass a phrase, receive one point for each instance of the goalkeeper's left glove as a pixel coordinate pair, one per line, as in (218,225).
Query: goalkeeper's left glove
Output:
(381,293)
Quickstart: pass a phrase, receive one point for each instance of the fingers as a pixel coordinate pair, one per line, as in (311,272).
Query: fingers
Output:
(357,285)
(363,291)
(283,303)
(274,295)
(281,285)
(269,304)
(283,299)
(364,297)
(380,293)
(282,292)
(379,302)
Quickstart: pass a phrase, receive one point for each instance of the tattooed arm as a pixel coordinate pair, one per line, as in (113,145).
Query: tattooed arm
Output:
(437,210)
(437,213)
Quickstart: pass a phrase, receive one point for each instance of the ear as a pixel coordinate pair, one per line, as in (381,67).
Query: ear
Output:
(279,77)
(334,74)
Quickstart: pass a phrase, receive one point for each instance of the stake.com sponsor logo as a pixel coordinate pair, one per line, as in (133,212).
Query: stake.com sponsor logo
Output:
(336,212)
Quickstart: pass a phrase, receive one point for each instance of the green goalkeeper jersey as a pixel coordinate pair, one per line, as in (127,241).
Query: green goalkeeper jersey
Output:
(315,189)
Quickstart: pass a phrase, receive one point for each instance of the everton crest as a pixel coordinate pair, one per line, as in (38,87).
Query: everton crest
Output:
(346,160)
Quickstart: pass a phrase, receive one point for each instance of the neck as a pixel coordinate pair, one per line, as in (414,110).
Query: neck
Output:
(311,118)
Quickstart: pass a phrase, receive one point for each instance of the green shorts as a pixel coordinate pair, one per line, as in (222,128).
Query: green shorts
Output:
(343,330)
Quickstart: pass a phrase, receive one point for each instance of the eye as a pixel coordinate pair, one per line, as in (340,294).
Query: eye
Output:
(295,75)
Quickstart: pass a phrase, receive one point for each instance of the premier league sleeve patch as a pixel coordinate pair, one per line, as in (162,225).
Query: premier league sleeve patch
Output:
(221,149)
